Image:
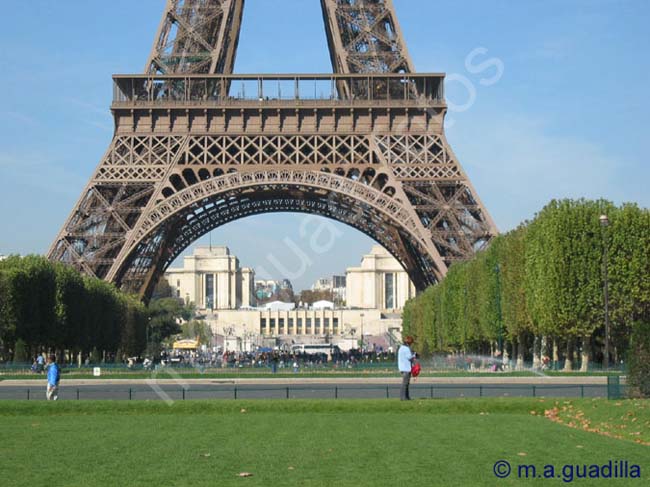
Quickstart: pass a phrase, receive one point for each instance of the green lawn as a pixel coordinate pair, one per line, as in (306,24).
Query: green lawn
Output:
(432,443)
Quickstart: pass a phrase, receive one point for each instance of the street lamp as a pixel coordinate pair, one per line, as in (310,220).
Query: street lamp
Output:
(604,223)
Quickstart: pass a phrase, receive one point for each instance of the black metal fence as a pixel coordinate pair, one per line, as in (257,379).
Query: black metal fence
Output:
(181,392)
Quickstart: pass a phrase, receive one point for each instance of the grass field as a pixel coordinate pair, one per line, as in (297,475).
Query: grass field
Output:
(439,443)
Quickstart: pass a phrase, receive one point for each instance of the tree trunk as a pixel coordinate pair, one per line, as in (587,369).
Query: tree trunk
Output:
(568,360)
(537,361)
(520,353)
(556,353)
(586,346)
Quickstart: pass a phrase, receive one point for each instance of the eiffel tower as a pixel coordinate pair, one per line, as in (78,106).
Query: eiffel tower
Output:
(196,146)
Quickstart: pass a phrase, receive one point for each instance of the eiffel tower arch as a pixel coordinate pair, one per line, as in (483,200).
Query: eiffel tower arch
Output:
(196,146)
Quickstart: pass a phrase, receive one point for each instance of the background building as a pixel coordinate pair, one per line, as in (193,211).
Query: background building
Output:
(379,283)
(338,288)
(375,293)
(286,327)
(212,279)
(322,284)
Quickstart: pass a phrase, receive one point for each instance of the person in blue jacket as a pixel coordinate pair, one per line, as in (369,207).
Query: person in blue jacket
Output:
(405,357)
(53,378)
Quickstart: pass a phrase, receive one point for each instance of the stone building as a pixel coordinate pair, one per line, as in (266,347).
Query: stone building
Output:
(212,279)
(379,282)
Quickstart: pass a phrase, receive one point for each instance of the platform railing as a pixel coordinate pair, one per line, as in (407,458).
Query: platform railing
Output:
(278,89)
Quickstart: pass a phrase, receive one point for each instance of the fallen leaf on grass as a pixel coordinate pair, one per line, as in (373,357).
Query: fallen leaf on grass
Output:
(205,455)
(522,454)
(242,411)
(291,468)
(245,474)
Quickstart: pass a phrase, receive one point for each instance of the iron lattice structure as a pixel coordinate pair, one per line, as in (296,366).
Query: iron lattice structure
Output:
(196,147)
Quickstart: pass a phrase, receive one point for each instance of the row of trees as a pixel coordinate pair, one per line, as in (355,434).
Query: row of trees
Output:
(538,290)
(47,306)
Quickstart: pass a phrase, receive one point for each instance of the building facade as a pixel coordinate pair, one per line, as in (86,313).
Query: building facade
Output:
(275,327)
(379,282)
(212,279)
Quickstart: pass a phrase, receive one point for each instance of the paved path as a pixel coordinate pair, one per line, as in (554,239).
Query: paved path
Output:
(292,381)
(310,388)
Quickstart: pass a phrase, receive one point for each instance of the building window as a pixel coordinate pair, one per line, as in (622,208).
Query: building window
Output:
(317,330)
(327,325)
(281,325)
(272,325)
(336,326)
(291,326)
(308,330)
(263,326)
(389,291)
(209,291)
(299,326)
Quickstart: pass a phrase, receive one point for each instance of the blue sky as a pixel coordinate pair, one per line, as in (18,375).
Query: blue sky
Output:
(567,118)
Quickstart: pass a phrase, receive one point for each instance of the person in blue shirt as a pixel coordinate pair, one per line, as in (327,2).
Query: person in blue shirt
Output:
(405,357)
(53,378)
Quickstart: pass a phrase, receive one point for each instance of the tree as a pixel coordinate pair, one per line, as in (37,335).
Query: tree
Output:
(544,280)
(164,318)
(134,329)
(21,355)
(628,240)
(639,359)
(7,322)
(162,290)
(309,297)
(516,317)
(32,294)
(564,273)
(196,329)
(69,309)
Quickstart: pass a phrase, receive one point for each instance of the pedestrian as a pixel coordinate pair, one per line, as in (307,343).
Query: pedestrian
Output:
(53,377)
(405,357)
(274,362)
(40,363)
